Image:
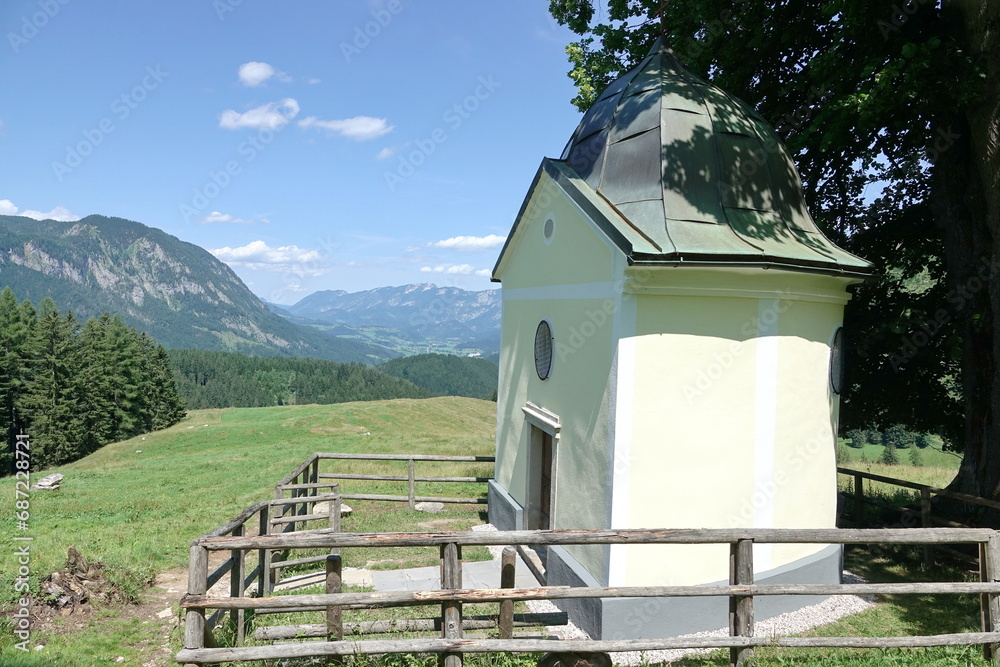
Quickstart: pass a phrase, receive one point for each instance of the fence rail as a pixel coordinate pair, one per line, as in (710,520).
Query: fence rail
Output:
(289,511)
(411,478)
(282,532)
(741,591)
(923,517)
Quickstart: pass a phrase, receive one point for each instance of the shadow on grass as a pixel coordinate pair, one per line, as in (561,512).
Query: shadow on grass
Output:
(918,614)
(895,615)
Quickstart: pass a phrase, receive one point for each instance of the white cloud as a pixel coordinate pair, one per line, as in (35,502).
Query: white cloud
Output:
(359,128)
(216,216)
(470,243)
(259,256)
(270,116)
(254,73)
(313,82)
(59,213)
(389,151)
(486,273)
(450,269)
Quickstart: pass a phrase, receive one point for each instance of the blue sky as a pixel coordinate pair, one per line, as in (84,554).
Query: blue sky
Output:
(310,144)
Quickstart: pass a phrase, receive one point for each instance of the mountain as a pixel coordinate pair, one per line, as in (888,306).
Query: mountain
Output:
(411,318)
(446,375)
(177,292)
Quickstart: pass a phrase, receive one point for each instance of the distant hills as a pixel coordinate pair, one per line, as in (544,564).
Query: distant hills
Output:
(175,291)
(409,319)
(184,297)
(446,375)
(214,379)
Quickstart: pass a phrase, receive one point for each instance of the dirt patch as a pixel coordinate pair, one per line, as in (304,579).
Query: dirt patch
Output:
(72,596)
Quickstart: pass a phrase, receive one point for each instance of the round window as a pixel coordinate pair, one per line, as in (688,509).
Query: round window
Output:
(837,362)
(548,229)
(543,350)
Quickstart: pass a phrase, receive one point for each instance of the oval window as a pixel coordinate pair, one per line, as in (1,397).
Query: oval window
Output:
(837,362)
(543,350)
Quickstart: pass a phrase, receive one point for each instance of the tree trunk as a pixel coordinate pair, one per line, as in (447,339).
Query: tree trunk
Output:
(967,205)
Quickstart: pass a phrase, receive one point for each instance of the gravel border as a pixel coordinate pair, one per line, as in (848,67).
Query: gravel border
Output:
(795,622)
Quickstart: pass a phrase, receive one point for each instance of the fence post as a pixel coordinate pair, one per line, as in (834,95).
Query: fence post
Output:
(334,613)
(741,606)
(508,563)
(194,619)
(989,568)
(280,511)
(412,493)
(859,502)
(926,522)
(236,575)
(451,612)
(335,508)
(264,555)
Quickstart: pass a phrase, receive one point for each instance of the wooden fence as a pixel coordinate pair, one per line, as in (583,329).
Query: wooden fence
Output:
(411,478)
(741,592)
(293,506)
(924,517)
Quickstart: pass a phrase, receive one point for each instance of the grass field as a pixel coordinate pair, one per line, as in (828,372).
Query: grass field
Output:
(895,615)
(137,511)
(933,456)
(136,505)
(938,470)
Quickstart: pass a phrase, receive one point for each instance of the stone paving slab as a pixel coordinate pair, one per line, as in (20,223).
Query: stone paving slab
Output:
(482,574)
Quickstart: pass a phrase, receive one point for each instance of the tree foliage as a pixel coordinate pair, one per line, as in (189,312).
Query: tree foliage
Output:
(73,389)
(212,379)
(446,374)
(898,437)
(892,113)
(889,456)
(858,438)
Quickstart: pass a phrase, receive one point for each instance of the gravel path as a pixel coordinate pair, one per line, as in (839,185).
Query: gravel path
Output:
(831,609)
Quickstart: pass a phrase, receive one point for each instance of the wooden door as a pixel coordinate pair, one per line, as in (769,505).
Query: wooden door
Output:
(545,485)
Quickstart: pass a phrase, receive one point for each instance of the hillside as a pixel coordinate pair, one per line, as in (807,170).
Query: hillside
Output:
(213,379)
(175,291)
(161,491)
(410,318)
(446,375)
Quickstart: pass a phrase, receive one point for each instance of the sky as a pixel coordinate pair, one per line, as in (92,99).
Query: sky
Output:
(309,144)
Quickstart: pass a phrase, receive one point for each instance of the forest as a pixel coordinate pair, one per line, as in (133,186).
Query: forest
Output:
(446,374)
(214,379)
(75,387)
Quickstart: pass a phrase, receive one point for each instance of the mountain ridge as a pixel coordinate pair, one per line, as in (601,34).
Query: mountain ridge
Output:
(174,290)
(422,314)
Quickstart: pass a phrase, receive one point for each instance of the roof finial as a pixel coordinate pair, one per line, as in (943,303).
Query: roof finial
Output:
(662,14)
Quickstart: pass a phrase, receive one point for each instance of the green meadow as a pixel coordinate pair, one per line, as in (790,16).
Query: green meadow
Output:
(136,505)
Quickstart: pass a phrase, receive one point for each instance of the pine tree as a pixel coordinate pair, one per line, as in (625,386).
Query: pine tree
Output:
(165,406)
(889,456)
(16,322)
(128,393)
(898,436)
(916,459)
(50,396)
(858,438)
